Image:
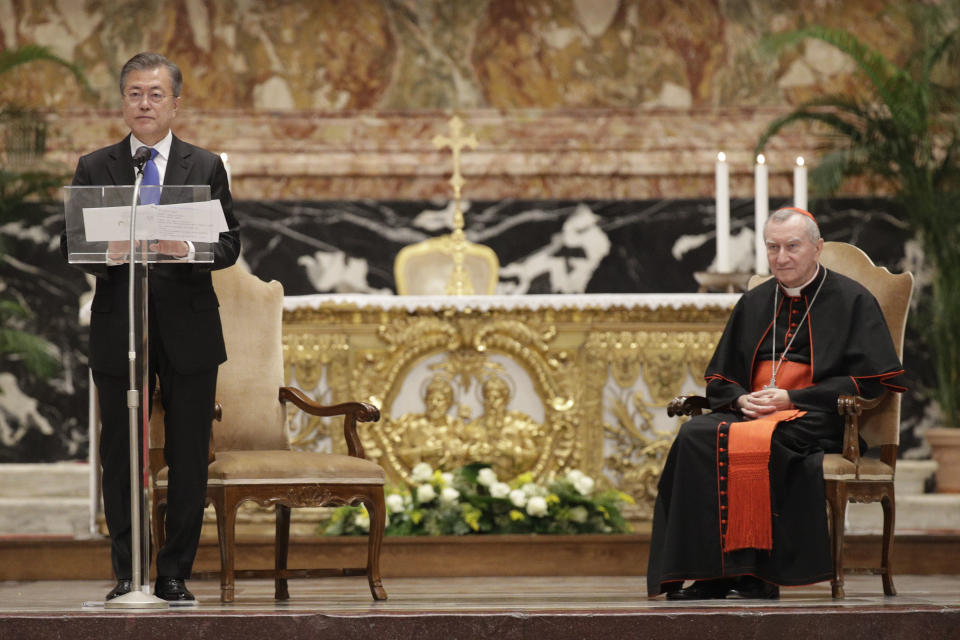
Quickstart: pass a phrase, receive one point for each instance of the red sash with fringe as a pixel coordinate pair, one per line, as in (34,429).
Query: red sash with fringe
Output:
(749,516)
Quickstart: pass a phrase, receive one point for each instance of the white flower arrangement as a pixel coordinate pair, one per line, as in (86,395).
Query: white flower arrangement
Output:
(473,500)
(500,490)
(537,506)
(449,495)
(487,477)
(426,493)
(395,503)
(422,472)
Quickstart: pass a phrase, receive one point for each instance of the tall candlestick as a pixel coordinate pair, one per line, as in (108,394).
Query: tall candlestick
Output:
(800,184)
(723,214)
(761,208)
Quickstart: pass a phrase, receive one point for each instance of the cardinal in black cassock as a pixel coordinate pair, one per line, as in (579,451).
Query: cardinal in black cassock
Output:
(741,493)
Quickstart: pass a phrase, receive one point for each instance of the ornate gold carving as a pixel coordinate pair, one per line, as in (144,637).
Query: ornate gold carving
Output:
(309,359)
(652,364)
(509,439)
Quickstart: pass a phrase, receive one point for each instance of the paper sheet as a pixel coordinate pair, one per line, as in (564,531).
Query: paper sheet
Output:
(192,221)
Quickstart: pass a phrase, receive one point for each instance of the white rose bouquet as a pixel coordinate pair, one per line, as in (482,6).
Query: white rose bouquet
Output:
(473,499)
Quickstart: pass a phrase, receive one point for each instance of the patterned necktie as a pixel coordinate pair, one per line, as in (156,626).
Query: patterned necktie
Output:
(151,176)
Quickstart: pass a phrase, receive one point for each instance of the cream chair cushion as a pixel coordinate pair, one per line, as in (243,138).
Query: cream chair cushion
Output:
(288,467)
(836,467)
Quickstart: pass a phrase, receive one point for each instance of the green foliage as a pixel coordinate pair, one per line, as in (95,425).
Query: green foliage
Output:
(37,354)
(472,500)
(12,58)
(16,188)
(902,130)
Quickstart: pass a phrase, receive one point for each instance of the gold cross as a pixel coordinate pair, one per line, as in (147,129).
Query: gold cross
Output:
(456,142)
(459,282)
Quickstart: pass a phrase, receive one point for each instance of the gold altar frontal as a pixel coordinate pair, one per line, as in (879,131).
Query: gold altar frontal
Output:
(539,384)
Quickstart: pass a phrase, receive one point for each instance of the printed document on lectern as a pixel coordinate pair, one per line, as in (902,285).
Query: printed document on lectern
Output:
(187,221)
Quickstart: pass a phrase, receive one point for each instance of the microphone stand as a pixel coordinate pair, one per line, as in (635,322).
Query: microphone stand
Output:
(137,598)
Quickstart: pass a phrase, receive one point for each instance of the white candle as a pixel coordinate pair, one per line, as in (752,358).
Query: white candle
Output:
(723,214)
(761,208)
(800,185)
(226,165)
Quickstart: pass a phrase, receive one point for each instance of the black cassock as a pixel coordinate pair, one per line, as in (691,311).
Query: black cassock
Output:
(846,344)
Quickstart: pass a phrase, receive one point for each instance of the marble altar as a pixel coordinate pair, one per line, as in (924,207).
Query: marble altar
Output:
(537,383)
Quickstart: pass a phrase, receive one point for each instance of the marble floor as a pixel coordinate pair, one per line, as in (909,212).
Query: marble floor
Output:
(544,608)
(597,594)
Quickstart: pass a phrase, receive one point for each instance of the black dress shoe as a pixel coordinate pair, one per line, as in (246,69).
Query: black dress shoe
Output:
(172,590)
(122,588)
(702,590)
(751,588)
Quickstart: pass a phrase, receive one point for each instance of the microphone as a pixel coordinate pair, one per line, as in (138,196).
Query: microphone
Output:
(140,157)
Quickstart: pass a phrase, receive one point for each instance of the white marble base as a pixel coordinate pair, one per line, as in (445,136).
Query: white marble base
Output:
(45,499)
(930,513)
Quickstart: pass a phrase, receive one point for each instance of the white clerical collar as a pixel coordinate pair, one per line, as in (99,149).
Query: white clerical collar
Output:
(162,147)
(794,292)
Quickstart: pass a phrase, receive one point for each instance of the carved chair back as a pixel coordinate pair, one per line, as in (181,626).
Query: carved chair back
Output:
(251,312)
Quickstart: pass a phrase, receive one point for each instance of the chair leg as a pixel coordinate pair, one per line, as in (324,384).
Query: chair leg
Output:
(837,499)
(889,517)
(378,520)
(226,509)
(281,547)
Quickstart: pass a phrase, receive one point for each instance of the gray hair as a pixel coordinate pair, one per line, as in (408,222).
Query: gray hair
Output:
(147,60)
(782,215)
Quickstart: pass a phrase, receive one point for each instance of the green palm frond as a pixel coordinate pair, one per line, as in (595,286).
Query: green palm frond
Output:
(827,175)
(891,84)
(12,58)
(37,354)
(838,114)
(17,186)
(948,45)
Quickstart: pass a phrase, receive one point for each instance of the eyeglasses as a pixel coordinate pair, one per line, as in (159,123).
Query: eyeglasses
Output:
(135,96)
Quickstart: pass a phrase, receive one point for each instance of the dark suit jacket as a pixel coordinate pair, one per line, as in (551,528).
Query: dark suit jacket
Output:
(183,303)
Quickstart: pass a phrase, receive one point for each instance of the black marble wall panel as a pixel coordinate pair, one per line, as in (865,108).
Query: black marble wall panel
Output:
(325,246)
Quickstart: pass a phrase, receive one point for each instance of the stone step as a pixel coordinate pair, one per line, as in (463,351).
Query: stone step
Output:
(925,513)
(916,512)
(39,516)
(65,479)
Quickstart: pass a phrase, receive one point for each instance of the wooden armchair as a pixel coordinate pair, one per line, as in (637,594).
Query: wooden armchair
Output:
(847,476)
(424,268)
(251,458)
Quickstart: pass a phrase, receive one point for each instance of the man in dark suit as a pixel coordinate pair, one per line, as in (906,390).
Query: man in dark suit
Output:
(186,340)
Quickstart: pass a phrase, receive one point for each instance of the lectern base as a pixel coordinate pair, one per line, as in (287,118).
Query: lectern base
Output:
(136,600)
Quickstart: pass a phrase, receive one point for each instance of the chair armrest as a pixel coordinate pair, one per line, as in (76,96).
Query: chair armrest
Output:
(850,407)
(689,405)
(352,412)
